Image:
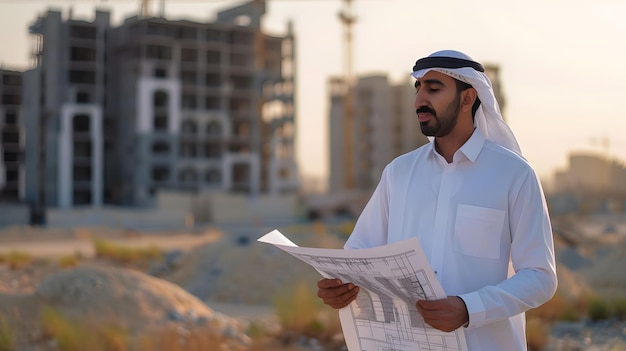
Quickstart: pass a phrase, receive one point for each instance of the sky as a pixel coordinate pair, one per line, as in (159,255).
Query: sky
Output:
(562,62)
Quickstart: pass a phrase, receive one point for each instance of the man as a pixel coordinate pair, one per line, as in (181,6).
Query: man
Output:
(475,205)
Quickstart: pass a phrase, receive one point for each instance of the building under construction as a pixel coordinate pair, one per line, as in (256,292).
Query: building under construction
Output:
(113,114)
(11,137)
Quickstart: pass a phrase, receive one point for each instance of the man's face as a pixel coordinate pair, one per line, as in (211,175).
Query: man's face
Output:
(437,103)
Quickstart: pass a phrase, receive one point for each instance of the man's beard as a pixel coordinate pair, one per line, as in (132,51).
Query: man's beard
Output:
(444,125)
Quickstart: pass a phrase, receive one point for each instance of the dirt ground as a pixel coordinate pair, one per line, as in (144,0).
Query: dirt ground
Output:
(47,246)
(51,243)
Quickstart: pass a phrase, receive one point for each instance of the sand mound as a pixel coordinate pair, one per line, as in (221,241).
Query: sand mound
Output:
(572,284)
(607,276)
(243,271)
(132,299)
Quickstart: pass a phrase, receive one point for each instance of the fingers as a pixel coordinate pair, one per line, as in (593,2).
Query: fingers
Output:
(430,312)
(431,305)
(335,293)
(445,314)
(329,283)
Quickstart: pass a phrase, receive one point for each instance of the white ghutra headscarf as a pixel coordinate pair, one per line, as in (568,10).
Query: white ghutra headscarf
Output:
(460,66)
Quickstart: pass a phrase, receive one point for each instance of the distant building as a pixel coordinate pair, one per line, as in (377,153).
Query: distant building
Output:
(158,104)
(594,182)
(63,108)
(384,128)
(592,174)
(493,72)
(11,137)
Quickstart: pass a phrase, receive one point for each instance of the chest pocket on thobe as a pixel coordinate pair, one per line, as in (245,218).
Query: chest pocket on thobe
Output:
(478,231)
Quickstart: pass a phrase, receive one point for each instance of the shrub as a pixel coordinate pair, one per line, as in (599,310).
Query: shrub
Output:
(619,308)
(301,312)
(302,318)
(598,309)
(256,330)
(569,314)
(7,335)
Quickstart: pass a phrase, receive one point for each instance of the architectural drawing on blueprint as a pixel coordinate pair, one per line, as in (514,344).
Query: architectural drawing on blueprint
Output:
(391,279)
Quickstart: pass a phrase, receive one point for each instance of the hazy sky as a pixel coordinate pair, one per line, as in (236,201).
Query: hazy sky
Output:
(563,62)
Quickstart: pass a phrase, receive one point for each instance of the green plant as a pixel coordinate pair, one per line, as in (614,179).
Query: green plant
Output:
(598,309)
(256,330)
(7,335)
(619,308)
(301,312)
(569,314)
(302,319)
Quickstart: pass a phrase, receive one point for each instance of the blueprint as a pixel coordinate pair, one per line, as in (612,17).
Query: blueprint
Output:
(391,279)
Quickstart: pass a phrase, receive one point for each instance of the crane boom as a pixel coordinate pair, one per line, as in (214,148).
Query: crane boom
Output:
(348,19)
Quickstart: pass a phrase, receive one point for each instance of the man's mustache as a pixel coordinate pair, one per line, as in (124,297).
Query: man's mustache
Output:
(425,109)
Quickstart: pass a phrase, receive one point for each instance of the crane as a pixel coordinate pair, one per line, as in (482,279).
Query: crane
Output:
(348,19)
(145,8)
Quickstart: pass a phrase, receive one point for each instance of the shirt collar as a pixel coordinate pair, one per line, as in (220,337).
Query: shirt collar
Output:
(470,149)
(472,146)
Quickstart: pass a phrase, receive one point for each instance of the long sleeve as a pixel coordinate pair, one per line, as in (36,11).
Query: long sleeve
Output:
(532,259)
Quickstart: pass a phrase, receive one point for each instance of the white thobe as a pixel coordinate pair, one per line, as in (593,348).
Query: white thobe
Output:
(483,223)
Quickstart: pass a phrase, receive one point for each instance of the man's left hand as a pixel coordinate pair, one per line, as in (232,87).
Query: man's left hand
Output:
(446,314)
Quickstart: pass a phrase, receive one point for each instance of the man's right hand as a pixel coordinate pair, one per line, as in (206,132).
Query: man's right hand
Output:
(335,293)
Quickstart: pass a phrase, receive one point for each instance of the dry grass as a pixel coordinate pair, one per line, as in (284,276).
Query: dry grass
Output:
(69,261)
(536,334)
(561,308)
(311,318)
(78,335)
(597,308)
(181,339)
(123,254)
(88,334)
(7,335)
(345,229)
(16,259)
(304,317)
(619,308)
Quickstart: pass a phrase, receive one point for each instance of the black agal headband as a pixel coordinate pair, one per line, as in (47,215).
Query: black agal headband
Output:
(446,62)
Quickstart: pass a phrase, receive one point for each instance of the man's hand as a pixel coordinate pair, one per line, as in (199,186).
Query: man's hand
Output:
(446,315)
(335,293)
